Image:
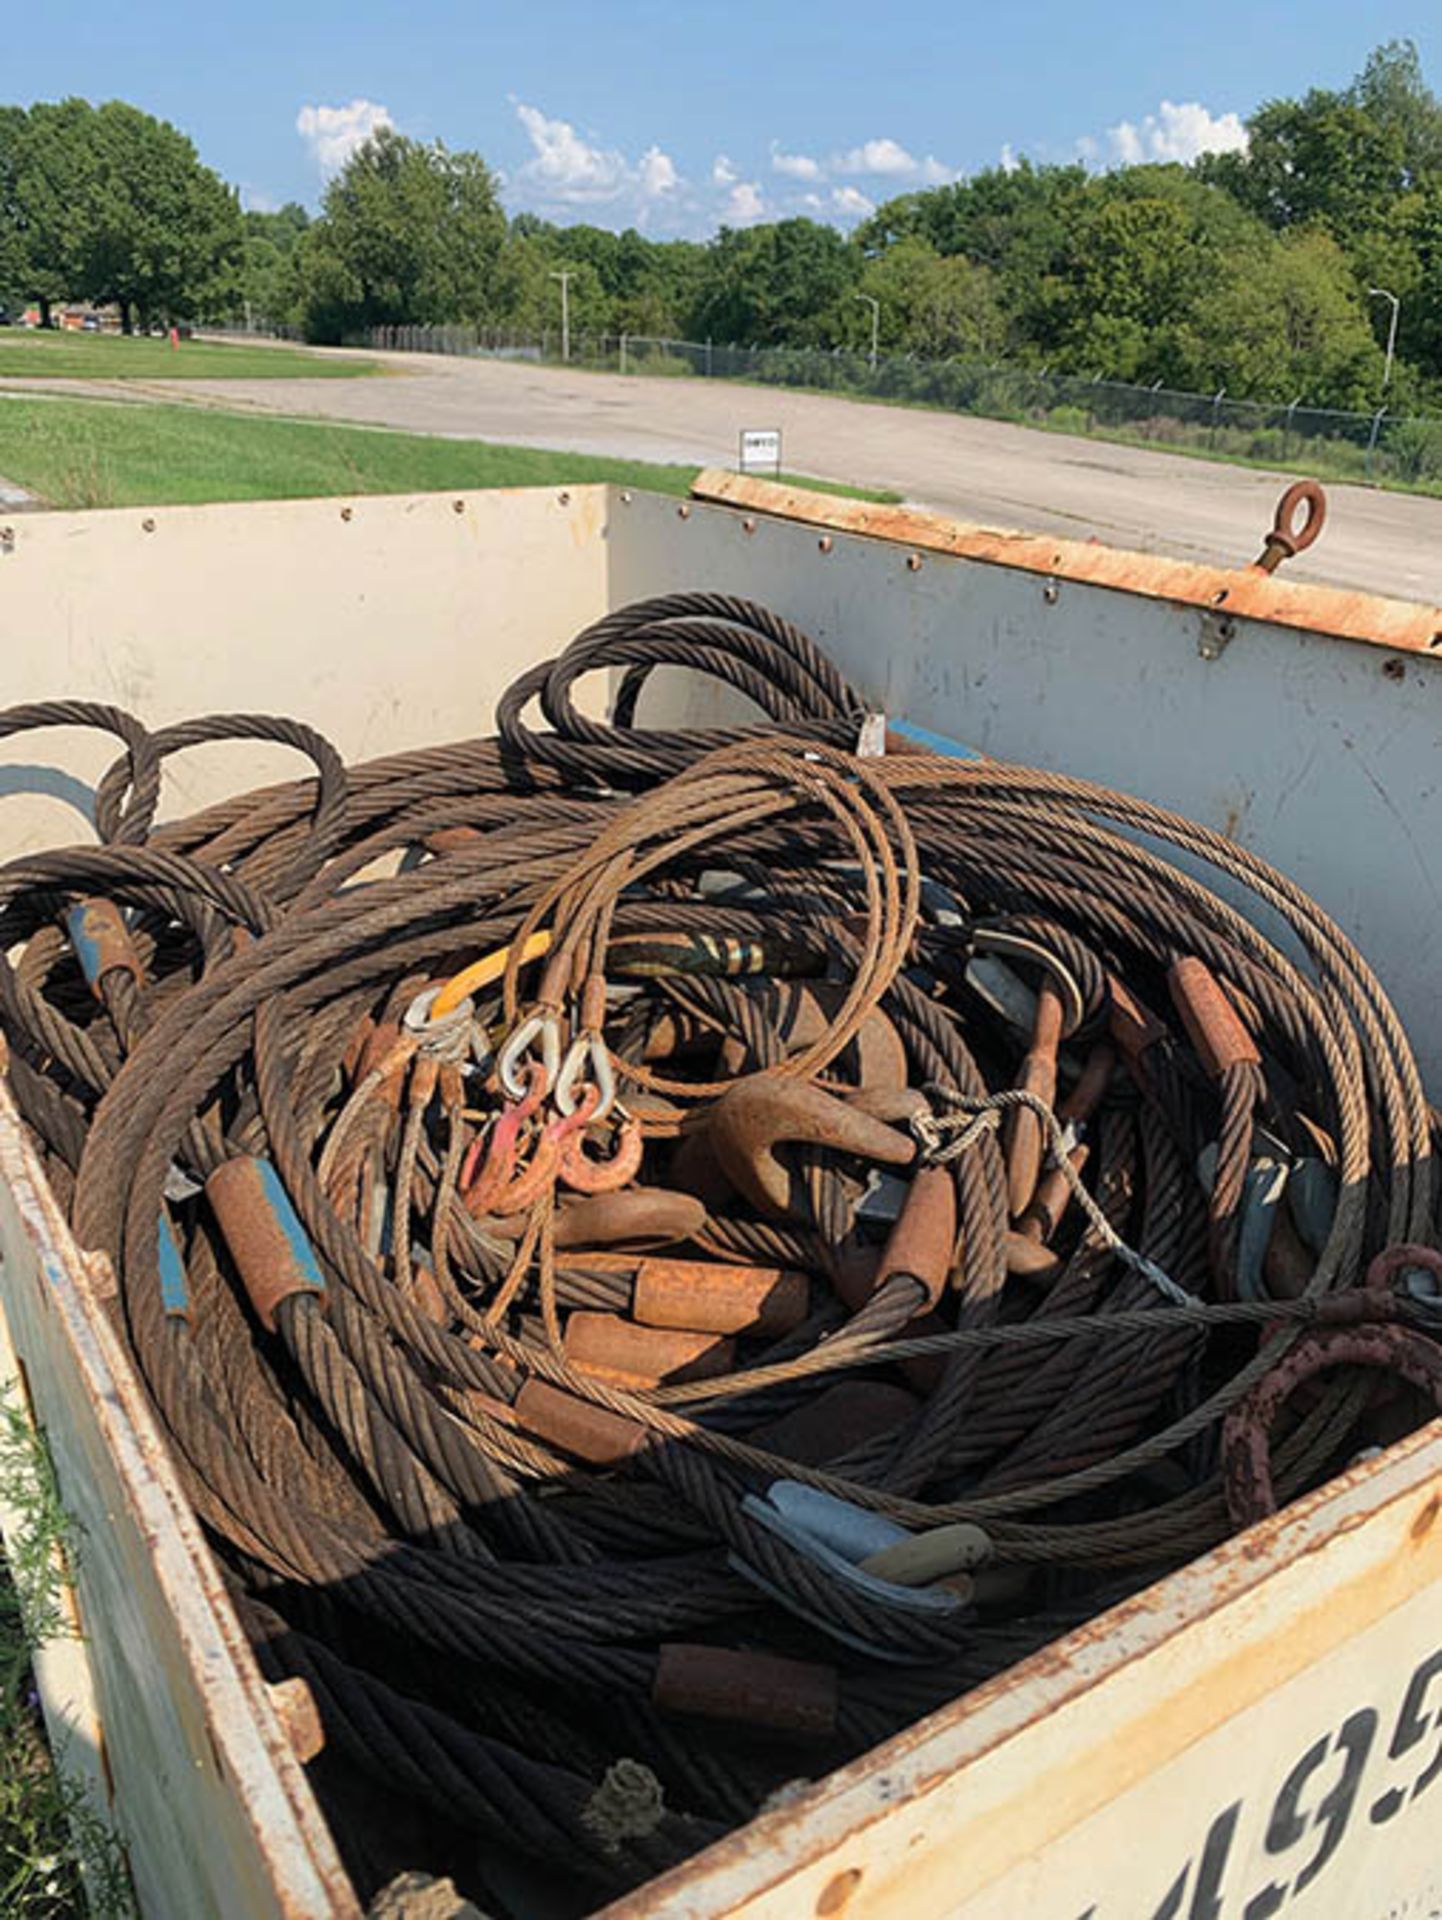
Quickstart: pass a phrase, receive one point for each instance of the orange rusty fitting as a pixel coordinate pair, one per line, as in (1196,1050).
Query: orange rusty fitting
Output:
(922,1242)
(1028,1259)
(101,942)
(1213,1025)
(593,1003)
(591,1433)
(1052,1198)
(1133,1026)
(1286,539)
(426,1296)
(613,1349)
(634,1216)
(270,1247)
(452,839)
(704,1296)
(381,1043)
(1091,1084)
(838,1421)
(1025,1139)
(765,1110)
(747,1689)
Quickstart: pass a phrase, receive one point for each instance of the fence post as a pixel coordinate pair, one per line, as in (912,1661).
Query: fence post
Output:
(1287,430)
(1372,439)
(623,353)
(1217,399)
(708,356)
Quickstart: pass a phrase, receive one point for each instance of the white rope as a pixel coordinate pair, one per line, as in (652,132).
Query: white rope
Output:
(944,1137)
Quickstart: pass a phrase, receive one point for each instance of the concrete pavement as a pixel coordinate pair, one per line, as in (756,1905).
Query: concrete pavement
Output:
(979,470)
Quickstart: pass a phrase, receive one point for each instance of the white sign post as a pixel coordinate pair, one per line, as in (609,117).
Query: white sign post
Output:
(760,450)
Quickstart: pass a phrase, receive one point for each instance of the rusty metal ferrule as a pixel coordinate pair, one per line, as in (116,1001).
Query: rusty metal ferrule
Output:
(1025,1140)
(1133,1027)
(746,1689)
(1213,1024)
(101,942)
(922,1243)
(613,1349)
(705,1296)
(1246,1445)
(591,1433)
(270,1247)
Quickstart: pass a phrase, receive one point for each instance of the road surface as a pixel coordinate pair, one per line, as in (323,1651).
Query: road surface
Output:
(979,470)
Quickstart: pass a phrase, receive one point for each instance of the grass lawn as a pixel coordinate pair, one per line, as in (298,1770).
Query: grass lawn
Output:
(110,356)
(79,453)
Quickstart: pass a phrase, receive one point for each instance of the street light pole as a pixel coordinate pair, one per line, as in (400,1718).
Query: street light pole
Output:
(1381,293)
(564,276)
(875,306)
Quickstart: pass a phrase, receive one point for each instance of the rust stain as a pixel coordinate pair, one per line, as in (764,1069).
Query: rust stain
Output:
(1246,592)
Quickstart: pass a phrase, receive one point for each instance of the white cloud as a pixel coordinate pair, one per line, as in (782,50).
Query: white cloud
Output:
(800,166)
(1007,160)
(333,134)
(257,200)
(1173,132)
(890,159)
(851,203)
(744,204)
(567,172)
(565,167)
(723,171)
(876,156)
(657,173)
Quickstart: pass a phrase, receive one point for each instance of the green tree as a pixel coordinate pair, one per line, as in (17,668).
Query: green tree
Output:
(13,272)
(1323,160)
(774,285)
(54,186)
(118,208)
(409,233)
(1390,89)
(1281,321)
(269,282)
(938,309)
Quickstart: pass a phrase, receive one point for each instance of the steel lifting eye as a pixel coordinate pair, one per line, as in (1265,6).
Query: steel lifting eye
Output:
(586,1048)
(541,1026)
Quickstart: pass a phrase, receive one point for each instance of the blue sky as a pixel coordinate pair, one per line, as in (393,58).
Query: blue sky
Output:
(675,116)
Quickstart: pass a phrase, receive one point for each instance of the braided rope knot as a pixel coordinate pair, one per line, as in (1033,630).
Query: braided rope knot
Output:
(964,1119)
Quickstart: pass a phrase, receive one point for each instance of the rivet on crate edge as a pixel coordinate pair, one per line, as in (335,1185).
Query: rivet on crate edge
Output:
(299,1716)
(913,563)
(346,512)
(825,543)
(748,525)
(458,506)
(1051,593)
(683,512)
(838,1891)
(563,499)
(147,526)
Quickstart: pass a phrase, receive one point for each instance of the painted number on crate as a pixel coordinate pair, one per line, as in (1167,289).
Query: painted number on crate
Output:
(1345,1781)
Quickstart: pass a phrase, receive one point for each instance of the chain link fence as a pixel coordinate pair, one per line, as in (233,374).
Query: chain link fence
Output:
(1362,446)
